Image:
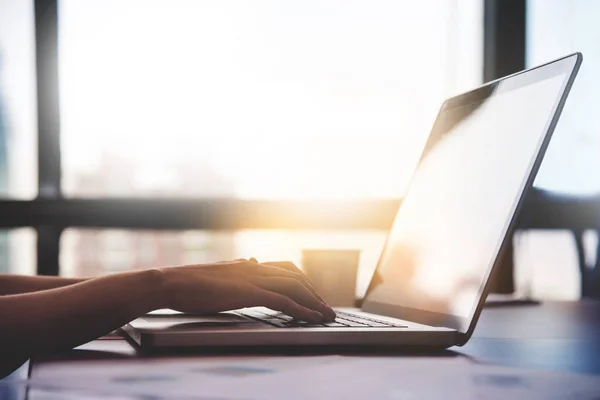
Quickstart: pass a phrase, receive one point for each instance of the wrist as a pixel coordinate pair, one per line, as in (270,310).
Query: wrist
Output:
(155,281)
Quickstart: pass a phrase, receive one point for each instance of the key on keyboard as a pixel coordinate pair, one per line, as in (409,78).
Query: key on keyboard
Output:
(343,320)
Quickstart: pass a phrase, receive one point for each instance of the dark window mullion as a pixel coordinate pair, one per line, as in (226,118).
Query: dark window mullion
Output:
(48,113)
(48,249)
(504,30)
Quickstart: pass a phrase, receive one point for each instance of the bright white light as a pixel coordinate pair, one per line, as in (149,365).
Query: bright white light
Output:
(554,29)
(270,99)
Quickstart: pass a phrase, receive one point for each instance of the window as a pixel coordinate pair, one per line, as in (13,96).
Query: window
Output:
(244,100)
(86,252)
(18,163)
(556,28)
(547,264)
(256,99)
(17,251)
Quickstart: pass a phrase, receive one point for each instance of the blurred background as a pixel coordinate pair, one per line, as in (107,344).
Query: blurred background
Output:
(140,133)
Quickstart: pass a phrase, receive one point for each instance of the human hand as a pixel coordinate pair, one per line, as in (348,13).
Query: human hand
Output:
(211,288)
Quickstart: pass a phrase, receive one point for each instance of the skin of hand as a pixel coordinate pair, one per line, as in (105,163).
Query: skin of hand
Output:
(244,283)
(64,317)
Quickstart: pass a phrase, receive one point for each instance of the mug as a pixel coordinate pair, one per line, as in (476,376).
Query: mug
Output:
(333,274)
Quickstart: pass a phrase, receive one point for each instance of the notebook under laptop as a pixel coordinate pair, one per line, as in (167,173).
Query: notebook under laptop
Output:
(431,279)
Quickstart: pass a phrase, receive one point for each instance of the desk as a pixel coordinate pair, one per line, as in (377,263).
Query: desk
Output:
(556,336)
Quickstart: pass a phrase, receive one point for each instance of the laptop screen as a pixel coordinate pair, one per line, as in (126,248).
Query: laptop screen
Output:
(463,194)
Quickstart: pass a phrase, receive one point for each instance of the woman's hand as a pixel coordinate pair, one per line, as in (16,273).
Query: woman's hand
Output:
(34,322)
(211,288)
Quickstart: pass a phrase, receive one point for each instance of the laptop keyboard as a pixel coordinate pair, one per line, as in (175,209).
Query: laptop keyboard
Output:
(343,320)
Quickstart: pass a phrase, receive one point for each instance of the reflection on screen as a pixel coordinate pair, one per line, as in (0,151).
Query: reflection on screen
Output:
(455,214)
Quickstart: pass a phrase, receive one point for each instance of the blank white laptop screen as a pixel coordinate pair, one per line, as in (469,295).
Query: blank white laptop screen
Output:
(462,196)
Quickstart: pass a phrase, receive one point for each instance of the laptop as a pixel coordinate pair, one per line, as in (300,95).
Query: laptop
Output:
(431,280)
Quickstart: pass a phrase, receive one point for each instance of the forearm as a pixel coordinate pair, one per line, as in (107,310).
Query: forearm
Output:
(16,284)
(68,316)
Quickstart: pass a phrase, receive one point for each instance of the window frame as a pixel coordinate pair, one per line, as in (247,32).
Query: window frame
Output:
(50,213)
